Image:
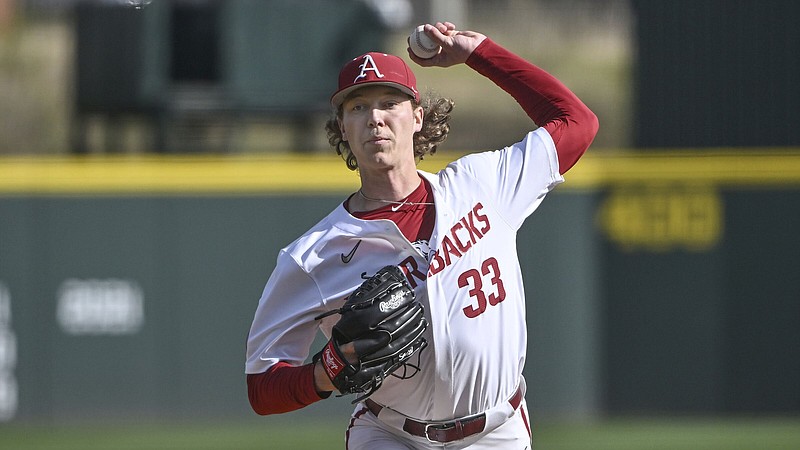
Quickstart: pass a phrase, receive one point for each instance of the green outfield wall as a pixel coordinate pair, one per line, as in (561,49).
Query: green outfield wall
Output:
(658,282)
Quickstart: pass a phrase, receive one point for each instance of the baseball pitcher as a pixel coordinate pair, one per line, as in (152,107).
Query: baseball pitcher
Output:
(414,278)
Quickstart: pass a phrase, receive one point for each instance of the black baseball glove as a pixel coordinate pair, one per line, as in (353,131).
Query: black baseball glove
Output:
(385,323)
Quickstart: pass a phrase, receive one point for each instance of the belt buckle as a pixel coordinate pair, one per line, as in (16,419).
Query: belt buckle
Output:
(435,427)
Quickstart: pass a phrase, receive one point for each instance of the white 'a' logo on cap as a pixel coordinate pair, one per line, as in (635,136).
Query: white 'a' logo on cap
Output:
(368,66)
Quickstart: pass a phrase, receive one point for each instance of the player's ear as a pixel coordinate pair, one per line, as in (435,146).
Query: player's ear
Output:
(419,114)
(341,128)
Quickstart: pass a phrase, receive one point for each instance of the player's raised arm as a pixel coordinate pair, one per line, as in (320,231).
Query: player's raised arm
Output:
(547,101)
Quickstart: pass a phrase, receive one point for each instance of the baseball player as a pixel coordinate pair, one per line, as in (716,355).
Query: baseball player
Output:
(453,235)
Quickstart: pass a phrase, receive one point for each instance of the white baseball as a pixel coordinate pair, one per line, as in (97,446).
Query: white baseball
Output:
(421,44)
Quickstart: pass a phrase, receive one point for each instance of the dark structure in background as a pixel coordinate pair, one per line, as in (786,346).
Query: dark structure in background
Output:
(186,66)
(703,330)
(194,37)
(709,328)
(717,73)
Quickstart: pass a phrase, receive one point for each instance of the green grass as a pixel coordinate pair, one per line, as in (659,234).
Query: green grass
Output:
(174,437)
(677,434)
(269,433)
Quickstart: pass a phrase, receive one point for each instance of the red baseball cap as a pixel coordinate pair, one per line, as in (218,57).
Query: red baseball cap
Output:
(375,69)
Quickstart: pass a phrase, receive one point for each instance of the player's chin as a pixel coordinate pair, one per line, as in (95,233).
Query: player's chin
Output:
(379,151)
(378,160)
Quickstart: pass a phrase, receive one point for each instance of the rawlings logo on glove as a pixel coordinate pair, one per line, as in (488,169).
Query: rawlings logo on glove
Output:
(393,303)
(384,322)
(331,363)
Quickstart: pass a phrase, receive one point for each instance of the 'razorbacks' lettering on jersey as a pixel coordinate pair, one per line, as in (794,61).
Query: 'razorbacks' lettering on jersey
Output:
(466,232)
(413,272)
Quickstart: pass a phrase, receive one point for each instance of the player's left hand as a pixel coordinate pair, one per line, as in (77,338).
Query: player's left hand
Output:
(380,328)
(456,45)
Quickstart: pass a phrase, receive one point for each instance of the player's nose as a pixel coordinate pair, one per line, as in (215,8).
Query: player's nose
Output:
(376,118)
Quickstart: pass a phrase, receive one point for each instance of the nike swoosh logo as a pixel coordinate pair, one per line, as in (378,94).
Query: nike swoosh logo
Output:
(346,258)
(397,207)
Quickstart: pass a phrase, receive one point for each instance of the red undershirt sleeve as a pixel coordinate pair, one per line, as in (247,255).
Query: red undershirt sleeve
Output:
(549,103)
(282,388)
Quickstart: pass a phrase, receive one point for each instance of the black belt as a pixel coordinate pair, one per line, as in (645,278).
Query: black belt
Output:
(446,431)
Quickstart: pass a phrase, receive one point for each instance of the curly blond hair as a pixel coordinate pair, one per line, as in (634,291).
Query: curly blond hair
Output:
(435,127)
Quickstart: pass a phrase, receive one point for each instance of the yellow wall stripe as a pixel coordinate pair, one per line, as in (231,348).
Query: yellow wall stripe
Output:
(723,168)
(256,174)
(174,174)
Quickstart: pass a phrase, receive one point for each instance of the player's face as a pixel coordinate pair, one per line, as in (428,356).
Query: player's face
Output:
(379,122)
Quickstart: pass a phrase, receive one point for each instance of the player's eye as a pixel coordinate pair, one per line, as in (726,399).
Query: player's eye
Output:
(391,103)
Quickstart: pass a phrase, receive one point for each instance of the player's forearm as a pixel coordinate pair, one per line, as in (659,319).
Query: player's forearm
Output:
(283,388)
(547,101)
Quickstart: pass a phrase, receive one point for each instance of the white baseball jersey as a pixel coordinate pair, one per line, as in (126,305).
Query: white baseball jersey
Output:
(468,279)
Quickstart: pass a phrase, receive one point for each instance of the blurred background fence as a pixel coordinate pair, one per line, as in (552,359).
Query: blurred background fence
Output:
(156,159)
